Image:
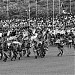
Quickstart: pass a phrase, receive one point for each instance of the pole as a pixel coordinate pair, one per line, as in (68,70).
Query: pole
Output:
(59,7)
(36,9)
(47,9)
(29,12)
(70,6)
(53,14)
(7,10)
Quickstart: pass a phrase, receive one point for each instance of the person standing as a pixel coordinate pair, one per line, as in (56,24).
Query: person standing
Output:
(1,53)
(60,48)
(60,45)
(70,42)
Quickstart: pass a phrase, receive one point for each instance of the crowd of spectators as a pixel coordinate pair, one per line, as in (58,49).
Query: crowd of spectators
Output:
(61,22)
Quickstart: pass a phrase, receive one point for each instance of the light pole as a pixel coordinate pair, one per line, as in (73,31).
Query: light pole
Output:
(70,6)
(53,14)
(36,9)
(59,7)
(7,9)
(29,12)
(47,9)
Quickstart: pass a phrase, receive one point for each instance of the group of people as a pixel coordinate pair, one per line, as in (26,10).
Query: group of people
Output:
(18,43)
(18,36)
(40,40)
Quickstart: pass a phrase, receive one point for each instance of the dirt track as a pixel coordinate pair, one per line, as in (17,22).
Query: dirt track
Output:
(50,65)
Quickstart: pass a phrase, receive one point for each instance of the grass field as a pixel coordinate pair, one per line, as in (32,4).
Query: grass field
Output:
(50,65)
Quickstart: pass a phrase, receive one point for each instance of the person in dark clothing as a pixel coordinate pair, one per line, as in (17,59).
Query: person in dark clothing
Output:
(28,49)
(41,48)
(23,48)
(60,47)
(71,33)
(5,49)
(35,49)
(19,52)
(1,51)
(10,49)
(13,33)
(70,40)
(14,50)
